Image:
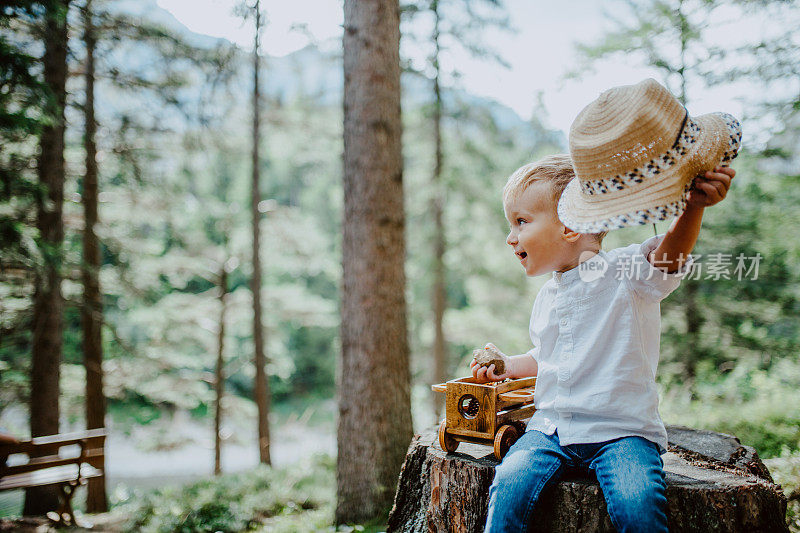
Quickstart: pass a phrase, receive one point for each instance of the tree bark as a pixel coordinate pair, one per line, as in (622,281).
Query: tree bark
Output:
(694,323)
(219,380)
(714,483)
(374,405)
(439,242)
(92,309)
(48,300)
(261,384)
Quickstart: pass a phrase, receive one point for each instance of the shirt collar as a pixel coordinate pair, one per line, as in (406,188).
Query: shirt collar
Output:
(568,277)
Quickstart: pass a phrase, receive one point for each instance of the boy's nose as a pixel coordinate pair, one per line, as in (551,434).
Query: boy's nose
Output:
(511,240)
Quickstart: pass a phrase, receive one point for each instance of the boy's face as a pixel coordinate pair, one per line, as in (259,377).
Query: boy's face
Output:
(537,235)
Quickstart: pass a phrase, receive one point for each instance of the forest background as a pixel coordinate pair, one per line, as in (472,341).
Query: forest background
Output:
(173,154)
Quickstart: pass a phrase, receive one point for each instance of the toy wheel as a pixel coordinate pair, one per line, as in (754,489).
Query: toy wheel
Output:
(505,437)
(446,441)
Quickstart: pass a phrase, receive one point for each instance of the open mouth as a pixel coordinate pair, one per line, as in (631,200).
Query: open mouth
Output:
(522,255)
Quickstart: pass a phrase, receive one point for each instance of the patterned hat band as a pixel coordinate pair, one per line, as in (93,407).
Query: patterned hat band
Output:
(633,218)
(687,137)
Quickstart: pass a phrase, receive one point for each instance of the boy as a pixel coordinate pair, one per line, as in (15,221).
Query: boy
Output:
(595,325)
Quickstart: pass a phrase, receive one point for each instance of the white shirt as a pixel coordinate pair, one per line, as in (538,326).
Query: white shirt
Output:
(596,341)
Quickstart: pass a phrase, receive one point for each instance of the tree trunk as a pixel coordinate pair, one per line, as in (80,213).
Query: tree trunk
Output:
(439,242)
(219,381)
(374,426)
(48,301)
(694,322)
(713,484)
(261,392)
(92,309)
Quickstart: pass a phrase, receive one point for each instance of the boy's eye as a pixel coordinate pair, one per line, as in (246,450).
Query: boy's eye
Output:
(521,221)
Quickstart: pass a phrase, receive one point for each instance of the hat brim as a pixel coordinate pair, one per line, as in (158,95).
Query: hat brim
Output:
(658,197)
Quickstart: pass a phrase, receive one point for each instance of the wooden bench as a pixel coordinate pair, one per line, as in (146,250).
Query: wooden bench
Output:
(41,461)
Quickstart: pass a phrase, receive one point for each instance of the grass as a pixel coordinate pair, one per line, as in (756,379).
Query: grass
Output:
(296,498)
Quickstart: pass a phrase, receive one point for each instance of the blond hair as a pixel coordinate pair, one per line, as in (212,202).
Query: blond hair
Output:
(555,170)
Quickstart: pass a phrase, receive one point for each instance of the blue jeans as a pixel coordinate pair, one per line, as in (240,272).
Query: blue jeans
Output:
(630,472)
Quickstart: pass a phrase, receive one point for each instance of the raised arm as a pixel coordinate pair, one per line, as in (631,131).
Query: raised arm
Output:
(681,236)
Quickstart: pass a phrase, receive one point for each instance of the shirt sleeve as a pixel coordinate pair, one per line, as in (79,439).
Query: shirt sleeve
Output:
(648,281)
(534,352)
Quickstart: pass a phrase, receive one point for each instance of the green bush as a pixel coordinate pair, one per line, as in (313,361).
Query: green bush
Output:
(238,502)
(759,406)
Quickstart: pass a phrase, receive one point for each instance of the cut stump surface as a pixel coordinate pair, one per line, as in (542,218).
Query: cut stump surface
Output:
(714,483)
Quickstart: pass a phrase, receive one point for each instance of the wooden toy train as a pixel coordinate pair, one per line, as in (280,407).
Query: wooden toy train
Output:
(493,414)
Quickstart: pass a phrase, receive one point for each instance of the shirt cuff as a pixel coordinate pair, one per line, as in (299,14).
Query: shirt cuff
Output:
(650,281)
(651,271)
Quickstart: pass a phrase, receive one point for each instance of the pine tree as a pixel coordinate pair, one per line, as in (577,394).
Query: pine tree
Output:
(219,374)
(374,379)
(48,301)
(92,308)
(261,386)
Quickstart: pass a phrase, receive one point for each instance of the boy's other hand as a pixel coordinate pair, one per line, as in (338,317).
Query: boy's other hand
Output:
(710,188)
(485,374)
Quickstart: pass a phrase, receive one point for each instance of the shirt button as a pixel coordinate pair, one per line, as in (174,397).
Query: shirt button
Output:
(563,321)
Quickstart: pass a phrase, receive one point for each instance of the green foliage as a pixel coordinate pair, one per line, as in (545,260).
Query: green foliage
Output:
(23,98)
(292,498)
(131,410)
(747,318)
(462,26)
(173,211)
(756,404)
(665,34)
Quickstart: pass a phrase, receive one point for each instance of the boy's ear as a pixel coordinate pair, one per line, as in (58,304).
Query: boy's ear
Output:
(570,236)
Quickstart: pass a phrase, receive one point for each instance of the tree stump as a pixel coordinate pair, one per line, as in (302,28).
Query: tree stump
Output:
(714,483)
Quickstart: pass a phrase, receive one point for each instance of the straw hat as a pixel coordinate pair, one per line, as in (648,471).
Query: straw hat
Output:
(635,151)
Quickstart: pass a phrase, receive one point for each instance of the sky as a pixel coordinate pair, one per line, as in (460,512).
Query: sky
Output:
(540,51)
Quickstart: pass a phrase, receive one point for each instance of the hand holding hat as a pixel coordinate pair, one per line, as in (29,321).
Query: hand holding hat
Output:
(636,151)
(711,188)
